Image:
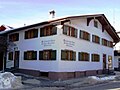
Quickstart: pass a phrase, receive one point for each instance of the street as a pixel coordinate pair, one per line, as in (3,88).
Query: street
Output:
(108,86)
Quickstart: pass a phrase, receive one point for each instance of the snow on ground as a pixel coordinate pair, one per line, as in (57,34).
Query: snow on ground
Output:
(102,78)
(9,81)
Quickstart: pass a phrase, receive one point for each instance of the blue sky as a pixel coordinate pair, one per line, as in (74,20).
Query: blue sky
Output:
(16,13)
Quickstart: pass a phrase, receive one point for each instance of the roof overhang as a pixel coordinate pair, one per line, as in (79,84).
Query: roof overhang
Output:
(101,17)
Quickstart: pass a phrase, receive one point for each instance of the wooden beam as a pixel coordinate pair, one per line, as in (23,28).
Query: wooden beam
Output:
(88,20)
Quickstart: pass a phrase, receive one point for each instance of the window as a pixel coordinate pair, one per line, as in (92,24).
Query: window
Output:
(68,55)
(30,55)
(70,31)
(48,31)
(95,24)
(32,33)
(107,43)
(83,56)
(95,39)
(110,44)
(10,56)
(109,62)
(95,57)
(47,55)
(14,37)
(104,42)
(84,35)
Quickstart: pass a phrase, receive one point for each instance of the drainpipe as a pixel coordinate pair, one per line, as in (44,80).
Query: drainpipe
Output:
(3,62)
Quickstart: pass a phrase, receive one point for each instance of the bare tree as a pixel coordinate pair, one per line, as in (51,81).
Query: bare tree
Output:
(6,46)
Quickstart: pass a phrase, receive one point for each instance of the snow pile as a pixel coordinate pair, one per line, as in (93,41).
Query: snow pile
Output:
(102,78)
(9,81)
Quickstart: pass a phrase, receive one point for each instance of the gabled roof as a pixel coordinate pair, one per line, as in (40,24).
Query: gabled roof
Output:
(101,17)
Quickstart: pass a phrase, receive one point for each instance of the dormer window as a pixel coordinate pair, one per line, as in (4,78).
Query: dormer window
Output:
(95,23)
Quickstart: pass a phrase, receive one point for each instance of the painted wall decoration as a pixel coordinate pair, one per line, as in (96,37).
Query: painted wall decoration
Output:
(47,42)
(69,43)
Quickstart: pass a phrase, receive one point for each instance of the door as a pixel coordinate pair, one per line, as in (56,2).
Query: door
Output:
(1,61)
(16,59)
(104,61)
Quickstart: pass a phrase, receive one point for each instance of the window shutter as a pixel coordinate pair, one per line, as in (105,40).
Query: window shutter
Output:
(54,30)
(25,55)
(40,55)
(63,55)
(35,33)
(53,55)
(74,56)
(34,55)
(26,35)
(42,32)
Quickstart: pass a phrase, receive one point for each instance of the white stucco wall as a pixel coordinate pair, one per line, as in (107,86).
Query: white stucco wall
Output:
(58,44)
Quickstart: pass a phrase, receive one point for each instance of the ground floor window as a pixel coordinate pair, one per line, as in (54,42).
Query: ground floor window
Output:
(83,56)
(30,55)
(68,55)
(47,55)
(10,55)
(95,58)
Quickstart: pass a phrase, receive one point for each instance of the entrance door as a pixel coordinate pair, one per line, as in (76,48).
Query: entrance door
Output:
(104,61)
(16,59)
(1,61)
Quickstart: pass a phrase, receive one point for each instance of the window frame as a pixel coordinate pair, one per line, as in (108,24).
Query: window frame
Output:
(95,57)
(14,37)
(49,55)
(96,39)
(70,31)
(48,30)
(69,55)
(84,35)
(30,55)
(96,23)
(83,56)
(31,33)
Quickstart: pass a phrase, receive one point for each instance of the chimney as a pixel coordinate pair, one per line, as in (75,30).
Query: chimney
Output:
(52,14)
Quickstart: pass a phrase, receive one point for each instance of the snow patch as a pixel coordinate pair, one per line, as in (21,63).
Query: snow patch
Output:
(102,78)
(9,81)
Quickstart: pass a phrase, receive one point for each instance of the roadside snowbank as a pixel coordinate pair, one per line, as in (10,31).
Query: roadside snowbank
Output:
(102,78)
(9,81)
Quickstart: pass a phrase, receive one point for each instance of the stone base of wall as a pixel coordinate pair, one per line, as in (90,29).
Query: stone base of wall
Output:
(61,75)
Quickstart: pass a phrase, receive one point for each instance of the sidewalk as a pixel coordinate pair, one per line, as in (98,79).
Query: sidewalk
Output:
(39,83)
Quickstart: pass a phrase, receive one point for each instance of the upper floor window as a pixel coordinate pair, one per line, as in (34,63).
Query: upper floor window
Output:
(95,23)
(48,30)
(30,55)
(84,35)
(32,33)
(104,42)
(95,57)
(47,55)
(95,39)
(14,37)
(70,31)
(110,44)
(83,56)
(107,43)
(68,55)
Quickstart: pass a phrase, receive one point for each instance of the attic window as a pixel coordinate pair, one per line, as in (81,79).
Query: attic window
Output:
(95,24)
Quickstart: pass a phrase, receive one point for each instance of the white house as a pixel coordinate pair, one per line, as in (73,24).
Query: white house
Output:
(63,48)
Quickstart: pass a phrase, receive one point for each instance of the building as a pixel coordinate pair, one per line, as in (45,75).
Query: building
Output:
(63,48)
(117,55)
